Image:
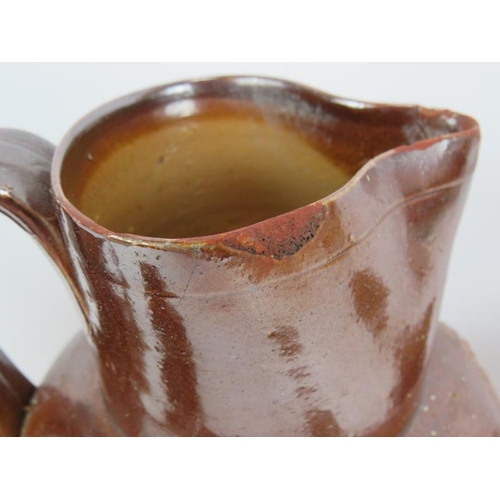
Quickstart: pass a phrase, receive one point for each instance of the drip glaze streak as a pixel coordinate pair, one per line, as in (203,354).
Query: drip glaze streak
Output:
(411,356)
(188,219)
(177,364)
(370,300)
(319,422)
(118,340)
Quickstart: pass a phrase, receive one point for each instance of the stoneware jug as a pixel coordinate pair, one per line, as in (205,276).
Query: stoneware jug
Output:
(252,258)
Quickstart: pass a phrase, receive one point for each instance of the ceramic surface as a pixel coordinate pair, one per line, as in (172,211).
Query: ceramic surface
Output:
(315,322)
(456,398)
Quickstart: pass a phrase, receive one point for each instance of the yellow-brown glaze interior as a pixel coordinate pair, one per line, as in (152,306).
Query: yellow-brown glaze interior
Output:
(202,166)
(218,170)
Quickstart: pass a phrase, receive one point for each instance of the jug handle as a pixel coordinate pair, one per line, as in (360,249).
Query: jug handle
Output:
(26,197)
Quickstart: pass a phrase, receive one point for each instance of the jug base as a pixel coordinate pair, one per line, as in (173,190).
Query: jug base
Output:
(456,398)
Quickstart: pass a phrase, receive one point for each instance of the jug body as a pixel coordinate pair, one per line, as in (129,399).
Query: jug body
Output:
(256,258)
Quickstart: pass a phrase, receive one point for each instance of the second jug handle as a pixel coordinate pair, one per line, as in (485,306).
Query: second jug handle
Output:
(26,197)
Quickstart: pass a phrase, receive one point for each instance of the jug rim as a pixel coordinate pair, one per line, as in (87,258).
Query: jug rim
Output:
(187,88)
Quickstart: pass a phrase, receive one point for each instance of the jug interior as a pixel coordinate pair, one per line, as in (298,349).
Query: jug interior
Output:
(201,166)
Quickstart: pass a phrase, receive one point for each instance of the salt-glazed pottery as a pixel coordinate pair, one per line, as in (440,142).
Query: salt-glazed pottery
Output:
(252,258)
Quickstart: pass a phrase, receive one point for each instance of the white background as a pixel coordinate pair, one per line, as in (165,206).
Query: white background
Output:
(38,314)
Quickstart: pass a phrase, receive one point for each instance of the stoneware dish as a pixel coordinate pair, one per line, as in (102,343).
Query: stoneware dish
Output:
(253,258)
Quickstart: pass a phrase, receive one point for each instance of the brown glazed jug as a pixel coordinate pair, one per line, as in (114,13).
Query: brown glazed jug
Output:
(252,258)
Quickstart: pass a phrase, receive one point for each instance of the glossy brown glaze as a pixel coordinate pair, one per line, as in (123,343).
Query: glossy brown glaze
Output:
(456,398)
(26,194)
(15,394)
(315,322)
(69,402)
(26,197)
